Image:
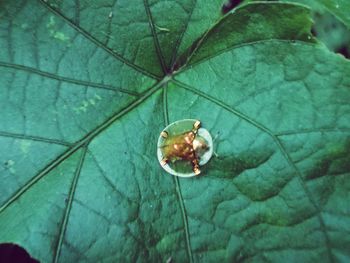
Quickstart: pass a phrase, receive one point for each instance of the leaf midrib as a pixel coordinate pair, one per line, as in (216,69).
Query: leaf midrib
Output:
(71,193)
(177,185)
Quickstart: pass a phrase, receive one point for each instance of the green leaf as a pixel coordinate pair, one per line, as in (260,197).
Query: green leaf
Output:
(331,23)
(87,86)
(331,32)
(338,8)
(252,23)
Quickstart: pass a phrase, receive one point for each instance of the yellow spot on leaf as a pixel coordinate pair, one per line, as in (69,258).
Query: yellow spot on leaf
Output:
(24,26)
(24,146)
(51,26)
(61,36)
(87,105)
(51,23)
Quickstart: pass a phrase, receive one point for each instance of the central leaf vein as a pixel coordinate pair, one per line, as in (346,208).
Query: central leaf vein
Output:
(69,206)
(177,184)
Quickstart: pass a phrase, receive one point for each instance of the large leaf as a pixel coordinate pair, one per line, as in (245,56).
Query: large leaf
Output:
(86,87)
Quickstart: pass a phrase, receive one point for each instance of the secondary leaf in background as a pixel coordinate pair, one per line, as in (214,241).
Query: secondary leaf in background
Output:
(331,22)
(338,8)
(332,33)
(82,111)
(252,23)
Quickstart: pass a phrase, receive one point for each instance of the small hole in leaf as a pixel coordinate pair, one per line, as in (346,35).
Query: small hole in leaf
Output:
(231,4)
(345,51)
(12,253)
(313,31)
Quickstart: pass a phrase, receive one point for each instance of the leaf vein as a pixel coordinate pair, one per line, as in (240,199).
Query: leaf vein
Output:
(97,42)
(33,138)
(179,40)
(308,194)
(68,80)
(177,185)
(77,13)
(225,106)
(305,131)
(165,105)
(184,218)
(69,206)
(155,38)
(185,67)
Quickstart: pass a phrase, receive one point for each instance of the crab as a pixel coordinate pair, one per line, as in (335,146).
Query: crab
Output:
(187,146)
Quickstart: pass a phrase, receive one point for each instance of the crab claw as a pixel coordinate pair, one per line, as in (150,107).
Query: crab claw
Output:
(164,134)
(164,161)
(196,125)
(196,170)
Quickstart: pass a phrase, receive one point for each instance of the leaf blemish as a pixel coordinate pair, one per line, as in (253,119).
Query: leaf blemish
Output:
(9,166)
(86,104)
(9,163)
(24,145)
(51,26)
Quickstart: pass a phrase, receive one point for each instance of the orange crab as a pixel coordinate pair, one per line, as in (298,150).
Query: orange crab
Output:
(187,146)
